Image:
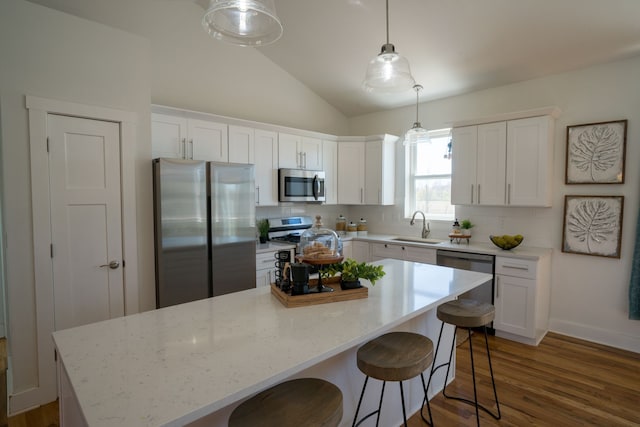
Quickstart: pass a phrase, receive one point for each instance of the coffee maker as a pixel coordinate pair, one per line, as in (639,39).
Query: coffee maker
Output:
(299,279)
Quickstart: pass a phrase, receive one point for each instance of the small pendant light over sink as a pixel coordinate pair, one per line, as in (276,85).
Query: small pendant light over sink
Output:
(243,22)
(417,133)
(388,72)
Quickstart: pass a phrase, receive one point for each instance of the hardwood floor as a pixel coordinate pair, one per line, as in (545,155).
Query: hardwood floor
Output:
(562,382)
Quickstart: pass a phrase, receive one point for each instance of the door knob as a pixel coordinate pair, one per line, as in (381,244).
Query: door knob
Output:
(113,265)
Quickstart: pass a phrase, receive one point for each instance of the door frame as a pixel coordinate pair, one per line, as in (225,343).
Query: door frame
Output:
(39,109)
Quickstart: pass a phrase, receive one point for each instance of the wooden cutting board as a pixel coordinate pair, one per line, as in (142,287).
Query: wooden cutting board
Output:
(338,294)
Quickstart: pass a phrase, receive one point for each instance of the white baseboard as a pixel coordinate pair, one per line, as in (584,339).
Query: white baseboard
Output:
(598,335)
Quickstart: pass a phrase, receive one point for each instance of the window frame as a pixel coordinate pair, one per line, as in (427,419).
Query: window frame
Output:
(410,178)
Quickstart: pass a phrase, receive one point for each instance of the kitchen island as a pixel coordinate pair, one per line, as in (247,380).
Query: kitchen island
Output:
(191,364)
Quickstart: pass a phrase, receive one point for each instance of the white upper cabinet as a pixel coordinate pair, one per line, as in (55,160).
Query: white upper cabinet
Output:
(351,172)
(379,171)
(366,170)
(330,162)
(299,152)
(530,161)
(207,141)
(169,136)
(507,163)
(266,167)
(241,144)
(183,138)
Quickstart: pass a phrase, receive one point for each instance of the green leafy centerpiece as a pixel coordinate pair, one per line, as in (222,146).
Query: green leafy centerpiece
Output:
(351,271)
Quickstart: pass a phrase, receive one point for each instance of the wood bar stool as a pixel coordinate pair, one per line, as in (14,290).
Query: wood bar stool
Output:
(301,402)
(467,314)
(395,356)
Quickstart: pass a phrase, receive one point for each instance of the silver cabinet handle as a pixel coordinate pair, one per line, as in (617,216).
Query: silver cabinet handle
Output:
(304,164)
(258,195)
(112,265)
(299,159)
(478,193)
(497,287)
(361,195)
(508,194)
(472,193)
(191,142)
(515,267)
(184,148)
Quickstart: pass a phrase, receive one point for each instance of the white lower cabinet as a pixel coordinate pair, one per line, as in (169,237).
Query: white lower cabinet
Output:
(266,267)
(360,251)
(380,251)
(347,249)
(522,299)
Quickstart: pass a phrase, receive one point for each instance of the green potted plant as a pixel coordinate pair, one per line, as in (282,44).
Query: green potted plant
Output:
(263,230)
(351,271)
(466,227)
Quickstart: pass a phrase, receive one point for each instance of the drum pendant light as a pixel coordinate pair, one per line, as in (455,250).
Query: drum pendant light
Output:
(417,133)
(388,72)
(243,22)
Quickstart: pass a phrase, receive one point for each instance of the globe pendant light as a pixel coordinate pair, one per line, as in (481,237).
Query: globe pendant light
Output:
(388,72)
(243,22)
(417,133)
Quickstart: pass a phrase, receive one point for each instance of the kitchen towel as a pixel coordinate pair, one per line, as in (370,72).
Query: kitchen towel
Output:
(634,285)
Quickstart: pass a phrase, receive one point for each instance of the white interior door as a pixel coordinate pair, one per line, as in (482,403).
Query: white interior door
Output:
(85,220)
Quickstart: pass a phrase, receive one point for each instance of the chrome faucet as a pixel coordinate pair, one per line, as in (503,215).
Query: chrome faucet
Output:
(425,226)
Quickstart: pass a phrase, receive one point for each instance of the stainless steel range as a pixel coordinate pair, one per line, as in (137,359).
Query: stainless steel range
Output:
(289,229)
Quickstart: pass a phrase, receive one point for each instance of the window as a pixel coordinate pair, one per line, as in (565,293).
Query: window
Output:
(429,177)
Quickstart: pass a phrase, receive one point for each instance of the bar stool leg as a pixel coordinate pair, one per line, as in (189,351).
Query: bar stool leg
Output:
(493,381)
(364,387)
(426,398)
(473,377)
(404,411)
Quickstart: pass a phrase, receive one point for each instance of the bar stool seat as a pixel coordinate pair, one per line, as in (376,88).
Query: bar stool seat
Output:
(467,314)
(395,356)
(309,402)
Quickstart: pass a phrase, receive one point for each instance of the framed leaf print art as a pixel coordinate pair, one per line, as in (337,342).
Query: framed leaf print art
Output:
(596,153)
(592,225)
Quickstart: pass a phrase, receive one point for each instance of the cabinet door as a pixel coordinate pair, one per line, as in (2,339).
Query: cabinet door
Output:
(491,163)
(351,173)
(311,153)
(361,251)
(168,136)
(266,169)
(241,144)
(330,162)
(289,154)
(347,249)
(515,305)
(529,161)
(463,165)
(423,255)
(207,141)
(385,250)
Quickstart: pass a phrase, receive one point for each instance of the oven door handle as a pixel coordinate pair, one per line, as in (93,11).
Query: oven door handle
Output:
(316,187)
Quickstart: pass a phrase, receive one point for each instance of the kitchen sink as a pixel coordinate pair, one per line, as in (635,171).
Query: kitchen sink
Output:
(418,240)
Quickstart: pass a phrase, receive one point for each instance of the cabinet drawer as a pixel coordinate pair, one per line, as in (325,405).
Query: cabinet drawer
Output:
(265,260)
(516,267)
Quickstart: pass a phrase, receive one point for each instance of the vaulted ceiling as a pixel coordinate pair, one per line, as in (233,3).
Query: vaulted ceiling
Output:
(453,46)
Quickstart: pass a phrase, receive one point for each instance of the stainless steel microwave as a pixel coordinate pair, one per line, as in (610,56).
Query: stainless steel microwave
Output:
(300,185)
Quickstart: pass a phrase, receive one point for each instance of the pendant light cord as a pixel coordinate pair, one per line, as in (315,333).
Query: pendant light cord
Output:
(387,21)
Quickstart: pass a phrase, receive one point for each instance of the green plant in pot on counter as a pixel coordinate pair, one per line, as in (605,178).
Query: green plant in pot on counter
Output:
(351,271)
(466,226)
(263,230)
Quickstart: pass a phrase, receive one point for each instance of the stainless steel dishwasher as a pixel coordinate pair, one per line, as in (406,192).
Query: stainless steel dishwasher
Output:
(472,262)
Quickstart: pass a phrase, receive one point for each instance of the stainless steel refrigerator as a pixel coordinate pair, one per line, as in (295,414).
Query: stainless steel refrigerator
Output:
(204,218)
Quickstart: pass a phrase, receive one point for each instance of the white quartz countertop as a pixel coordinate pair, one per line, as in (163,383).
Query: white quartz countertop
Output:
(171,366)
(521,252)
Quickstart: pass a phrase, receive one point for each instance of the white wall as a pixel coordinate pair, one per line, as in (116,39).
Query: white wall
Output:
(53,55)
(50,54)
(589,294)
